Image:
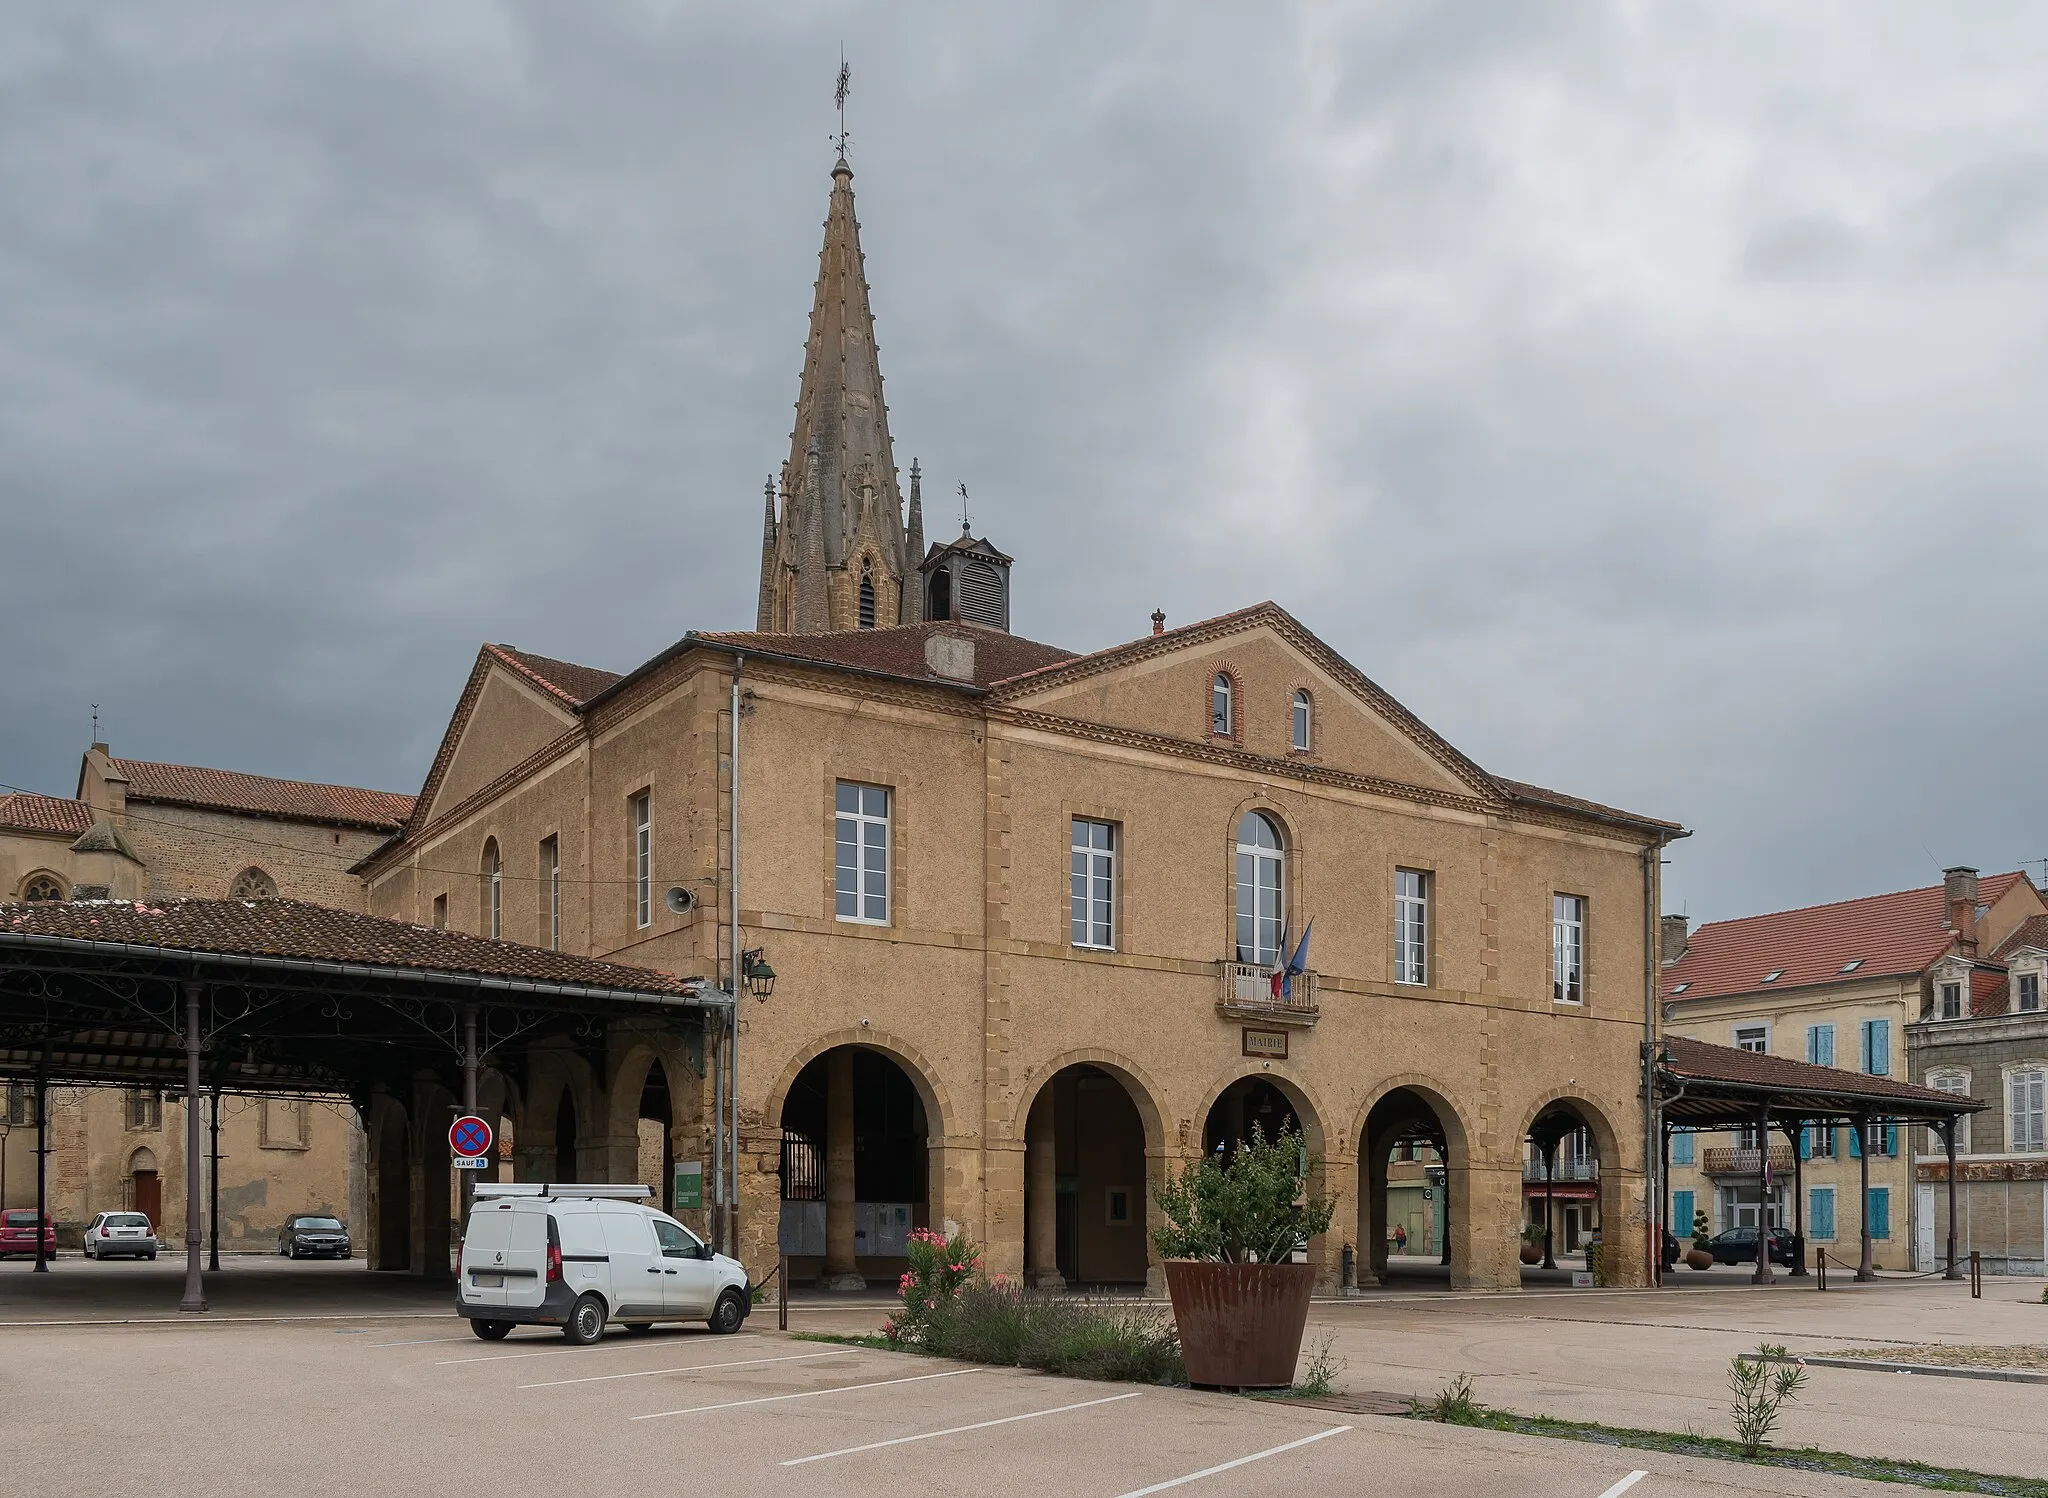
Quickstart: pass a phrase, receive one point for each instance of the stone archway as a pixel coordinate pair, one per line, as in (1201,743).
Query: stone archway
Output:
(1414,1192)
(1572,1188)
(1092,1131)
(145,1187)
(1271,1100)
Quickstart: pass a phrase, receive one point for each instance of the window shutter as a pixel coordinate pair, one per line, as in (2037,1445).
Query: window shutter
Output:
(1891,1139)
(1855,1142)
(1881,1047)
(1880,1210)
(1820,1213)
(1806,1141)
(1681,1148)
(1681,1213)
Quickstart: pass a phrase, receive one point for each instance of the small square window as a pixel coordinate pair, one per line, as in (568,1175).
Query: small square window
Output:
(1117,1203)
(1681,988)
(1852,964)
(1774,975)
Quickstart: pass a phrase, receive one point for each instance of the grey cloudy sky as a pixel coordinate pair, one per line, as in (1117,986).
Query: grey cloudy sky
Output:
(1651,396)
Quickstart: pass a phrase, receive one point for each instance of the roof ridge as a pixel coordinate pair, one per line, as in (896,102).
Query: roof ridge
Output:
(165,764)
(1917,889)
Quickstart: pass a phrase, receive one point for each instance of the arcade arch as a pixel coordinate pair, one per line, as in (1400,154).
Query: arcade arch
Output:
(1089,1127)
(1412,1156)
(1566,1195)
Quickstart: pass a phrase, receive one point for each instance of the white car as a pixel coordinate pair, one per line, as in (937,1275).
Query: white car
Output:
(112,1234)
(579,1256)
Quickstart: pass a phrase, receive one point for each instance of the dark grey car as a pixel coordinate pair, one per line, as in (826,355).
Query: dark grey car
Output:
(313,1235)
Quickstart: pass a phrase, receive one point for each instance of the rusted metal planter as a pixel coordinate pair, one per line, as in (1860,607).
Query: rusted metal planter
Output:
(1240,1324)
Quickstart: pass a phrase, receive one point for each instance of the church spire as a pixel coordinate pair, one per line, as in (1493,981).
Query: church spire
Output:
(842,426)
(764,613)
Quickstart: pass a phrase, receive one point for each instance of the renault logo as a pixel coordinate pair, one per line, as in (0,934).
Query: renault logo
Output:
(497,1258)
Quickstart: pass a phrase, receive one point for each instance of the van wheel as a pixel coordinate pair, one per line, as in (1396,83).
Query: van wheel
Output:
(730,1314)
(586,1320)
(491,1331)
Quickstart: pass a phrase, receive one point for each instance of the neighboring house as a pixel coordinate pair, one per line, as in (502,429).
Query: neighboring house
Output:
(1833,985)
(1984,1033)
(140,830)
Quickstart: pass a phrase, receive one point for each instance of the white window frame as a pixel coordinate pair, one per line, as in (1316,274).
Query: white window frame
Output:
(1751,1027)
(643,859)
(1942,992)
(1091,884)
(1411,926)
(1303,720)
(494,907)
(1267,871)
(2026,1122)
(1957,1081)
(1222,706)
(2020,984)
(1567,948)
(853,828)
(551,873)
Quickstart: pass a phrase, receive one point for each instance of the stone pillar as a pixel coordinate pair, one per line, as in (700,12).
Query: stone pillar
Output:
(1000,1168)
(1485,1219)
(839,1272)
(1041,1203)
(1372,1216)
(1340,1183)
(759,1244)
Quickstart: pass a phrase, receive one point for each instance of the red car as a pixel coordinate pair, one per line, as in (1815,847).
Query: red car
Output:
(18,1234)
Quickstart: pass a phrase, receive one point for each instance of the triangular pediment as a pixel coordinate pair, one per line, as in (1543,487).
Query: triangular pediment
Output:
(503,717)
(1162,685)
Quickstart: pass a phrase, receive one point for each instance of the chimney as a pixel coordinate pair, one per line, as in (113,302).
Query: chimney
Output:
(1959,888)
(1159,621)
(1672,938)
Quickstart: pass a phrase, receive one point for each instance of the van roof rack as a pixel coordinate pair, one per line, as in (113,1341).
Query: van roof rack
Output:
(607,1189)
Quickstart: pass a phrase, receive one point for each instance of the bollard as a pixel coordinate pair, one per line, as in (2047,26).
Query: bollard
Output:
(1348,1281)
(782,1295)
(1976,1275)
(1820,1269)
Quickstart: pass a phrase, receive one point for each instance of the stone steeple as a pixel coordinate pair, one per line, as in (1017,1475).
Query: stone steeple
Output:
(839,554)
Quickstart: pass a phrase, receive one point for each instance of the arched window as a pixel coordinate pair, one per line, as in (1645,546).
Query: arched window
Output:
(1261,889)
(493,891)
(1302,720)
(1221,719)
(43,887)
(867,597)
(252,884)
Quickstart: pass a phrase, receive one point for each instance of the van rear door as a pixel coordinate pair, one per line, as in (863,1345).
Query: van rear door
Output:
(484,1244)
(526,1257)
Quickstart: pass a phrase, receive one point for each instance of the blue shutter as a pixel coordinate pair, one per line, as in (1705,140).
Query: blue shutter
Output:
(1877,1047)
(1891,1139)
(1681,1213)
(1681,1152)
(1855,1142)
(1806,1141)
(1820,1045)
(1820,1213)
(1880,1209)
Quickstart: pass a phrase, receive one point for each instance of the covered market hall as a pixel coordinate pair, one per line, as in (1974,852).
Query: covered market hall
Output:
(406,1026)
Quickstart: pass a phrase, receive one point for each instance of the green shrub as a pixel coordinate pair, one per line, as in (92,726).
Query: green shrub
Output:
(1255,1209)
(1702,1231)
(1002,1323)
(1759,1386)
(1453,1405)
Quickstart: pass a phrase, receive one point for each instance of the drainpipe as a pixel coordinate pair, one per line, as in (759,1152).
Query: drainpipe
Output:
(1652,1187)
(732,1044)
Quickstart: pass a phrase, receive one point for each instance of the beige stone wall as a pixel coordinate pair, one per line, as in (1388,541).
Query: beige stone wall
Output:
(972,986)
(199,853)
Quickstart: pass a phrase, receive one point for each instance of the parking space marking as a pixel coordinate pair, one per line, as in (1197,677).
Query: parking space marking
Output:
(1256,1456)
(418,1342)
(1624,1485)
(933,1435)
(552,1352)
(598,1378)
(733,1404)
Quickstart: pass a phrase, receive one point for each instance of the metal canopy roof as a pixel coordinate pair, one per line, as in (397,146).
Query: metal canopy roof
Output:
(1708,1086)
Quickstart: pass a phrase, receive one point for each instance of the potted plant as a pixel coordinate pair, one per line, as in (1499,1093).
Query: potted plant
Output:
(1700,1255)
(1239,1300)
(1532,1243)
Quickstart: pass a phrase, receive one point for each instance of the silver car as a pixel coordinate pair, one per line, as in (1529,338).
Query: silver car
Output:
(114,1234)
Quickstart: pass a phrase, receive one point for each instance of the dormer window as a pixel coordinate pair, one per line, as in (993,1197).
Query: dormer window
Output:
(1221,720)
(1951,1001)
(1851,965)
(1774,975)
(1680,988)
(2027,993)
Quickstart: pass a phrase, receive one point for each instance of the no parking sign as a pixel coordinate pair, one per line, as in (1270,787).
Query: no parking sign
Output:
(470,1138)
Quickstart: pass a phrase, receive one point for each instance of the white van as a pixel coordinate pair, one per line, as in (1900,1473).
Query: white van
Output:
(579,1256)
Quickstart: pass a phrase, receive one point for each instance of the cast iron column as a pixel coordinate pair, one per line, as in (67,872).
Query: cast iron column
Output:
(1955,1270)
(1798,1200)
(195,1283)
(1763,1197)
(468,1189)
(213,1181)
(42,1156)
(1549,1174)
(1864,1269)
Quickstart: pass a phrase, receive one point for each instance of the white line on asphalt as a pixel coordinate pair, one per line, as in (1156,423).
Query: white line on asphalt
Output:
(1624,1485)
(733,1404)
(598,1378)
(933,1435)
(418,1342)
(1256,1456)
(506,1357)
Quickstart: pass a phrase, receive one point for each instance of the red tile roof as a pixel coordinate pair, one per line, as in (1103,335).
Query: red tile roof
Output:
(290,800)
(1894,935)
(1704,1061)
(899,650)
(1989,989)
(574,684)
(26,811)
(2032,932)
(296,930)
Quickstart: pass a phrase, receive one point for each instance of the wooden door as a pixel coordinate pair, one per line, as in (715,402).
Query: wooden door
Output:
(149,1197)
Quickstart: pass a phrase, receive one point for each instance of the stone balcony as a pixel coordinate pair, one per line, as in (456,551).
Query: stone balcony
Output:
(1247,994)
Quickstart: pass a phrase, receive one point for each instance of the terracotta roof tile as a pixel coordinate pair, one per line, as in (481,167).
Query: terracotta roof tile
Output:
(291,800)
(572,683)
(1989,989)
(298,930)
(1886,935)
(1706,1061)
(26,811)
(899,650)
(2032,932)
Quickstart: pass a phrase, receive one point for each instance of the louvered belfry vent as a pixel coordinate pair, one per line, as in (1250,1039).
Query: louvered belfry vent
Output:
(968,580)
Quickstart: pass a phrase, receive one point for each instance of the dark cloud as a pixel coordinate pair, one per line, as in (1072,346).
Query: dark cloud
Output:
(1650,398)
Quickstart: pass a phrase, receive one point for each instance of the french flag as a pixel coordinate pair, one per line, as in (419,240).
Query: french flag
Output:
(1283,972)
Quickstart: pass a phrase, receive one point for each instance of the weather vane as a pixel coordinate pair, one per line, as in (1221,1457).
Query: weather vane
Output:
(839,96)
(963,511)
(95,722)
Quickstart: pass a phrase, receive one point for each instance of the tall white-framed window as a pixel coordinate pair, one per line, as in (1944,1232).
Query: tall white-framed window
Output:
(1304,720)
(1092,884)
(494,890)
(2026,1109)
(2027,992)
(1752,1037)
(551,891)
(1958,1083)
(643,859)
(1411,926)
(1222,707)
(1568,949)
(1261,888)
(860,841)
(1951,1001)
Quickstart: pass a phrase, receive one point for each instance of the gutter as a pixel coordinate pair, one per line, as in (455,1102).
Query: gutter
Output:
(692,999)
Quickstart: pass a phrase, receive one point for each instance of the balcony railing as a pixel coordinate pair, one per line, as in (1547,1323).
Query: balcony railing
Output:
(1248,992)
(1564,1170)
(1722,1161)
